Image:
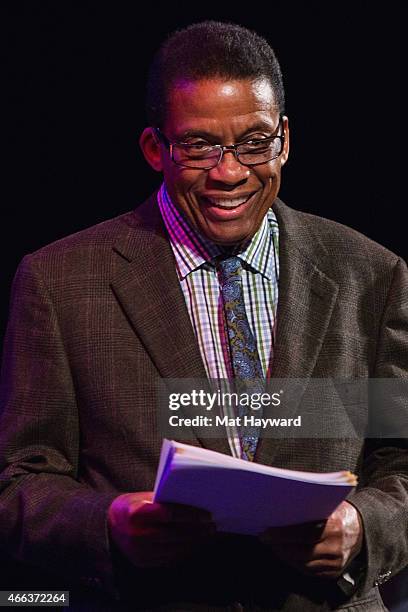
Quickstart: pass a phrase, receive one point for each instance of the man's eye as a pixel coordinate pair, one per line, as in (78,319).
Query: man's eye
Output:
(256,145)
(198,146)
(254,142)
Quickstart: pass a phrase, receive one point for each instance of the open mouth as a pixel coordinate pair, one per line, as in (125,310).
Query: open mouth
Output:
(226,203)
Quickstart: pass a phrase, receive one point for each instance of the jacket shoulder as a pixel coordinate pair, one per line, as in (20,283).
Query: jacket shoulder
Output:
(90,253)
(98,240)
(332,241)
(97,236)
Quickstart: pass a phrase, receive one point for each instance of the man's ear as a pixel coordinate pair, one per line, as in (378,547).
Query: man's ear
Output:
(285,153)
(151,148)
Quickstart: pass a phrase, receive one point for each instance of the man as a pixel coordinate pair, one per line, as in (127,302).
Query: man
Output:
(98,317)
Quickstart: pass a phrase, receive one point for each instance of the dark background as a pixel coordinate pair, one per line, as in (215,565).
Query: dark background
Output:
(74,87)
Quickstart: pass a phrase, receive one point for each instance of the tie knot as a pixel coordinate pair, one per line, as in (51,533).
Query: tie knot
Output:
(229,269)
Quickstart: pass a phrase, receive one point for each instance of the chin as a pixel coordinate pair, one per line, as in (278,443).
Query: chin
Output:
(227,238)
(229,241)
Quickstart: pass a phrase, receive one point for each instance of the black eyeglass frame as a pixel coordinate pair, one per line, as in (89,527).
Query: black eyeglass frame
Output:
(222,148)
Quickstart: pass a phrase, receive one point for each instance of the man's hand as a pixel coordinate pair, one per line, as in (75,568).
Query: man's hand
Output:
(319,549)
(151,534)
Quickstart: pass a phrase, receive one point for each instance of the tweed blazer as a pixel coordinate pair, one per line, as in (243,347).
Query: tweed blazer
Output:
(95,319)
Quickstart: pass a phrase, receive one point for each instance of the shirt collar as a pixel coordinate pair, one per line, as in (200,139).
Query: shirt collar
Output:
(193,250)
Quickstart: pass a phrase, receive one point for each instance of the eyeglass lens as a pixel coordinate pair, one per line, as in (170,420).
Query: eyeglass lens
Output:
(204,156)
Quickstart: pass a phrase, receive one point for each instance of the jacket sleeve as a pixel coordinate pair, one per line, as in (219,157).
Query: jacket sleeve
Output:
(382,497)
(48,518)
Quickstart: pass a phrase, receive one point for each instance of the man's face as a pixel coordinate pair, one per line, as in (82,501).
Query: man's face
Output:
(226,203)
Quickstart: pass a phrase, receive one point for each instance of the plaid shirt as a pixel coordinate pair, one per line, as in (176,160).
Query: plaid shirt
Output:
(194,256)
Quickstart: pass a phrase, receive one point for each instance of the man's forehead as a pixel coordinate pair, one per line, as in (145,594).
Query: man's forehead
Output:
(259,89)
(216,101)
(225,84)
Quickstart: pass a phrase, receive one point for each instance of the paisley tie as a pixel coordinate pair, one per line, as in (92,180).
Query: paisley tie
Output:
(245,360)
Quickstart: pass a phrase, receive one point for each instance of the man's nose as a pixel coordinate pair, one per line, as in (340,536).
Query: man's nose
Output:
(229,170)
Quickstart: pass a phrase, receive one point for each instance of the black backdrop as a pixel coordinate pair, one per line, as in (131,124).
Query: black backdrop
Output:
(74,86)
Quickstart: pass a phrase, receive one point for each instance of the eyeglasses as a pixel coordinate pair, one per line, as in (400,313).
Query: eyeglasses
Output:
(204,156)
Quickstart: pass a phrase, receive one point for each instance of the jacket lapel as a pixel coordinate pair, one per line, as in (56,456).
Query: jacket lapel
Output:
(148,289)
(307,296)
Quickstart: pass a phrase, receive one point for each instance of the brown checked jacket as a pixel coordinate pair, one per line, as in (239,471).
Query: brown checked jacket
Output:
(95,319)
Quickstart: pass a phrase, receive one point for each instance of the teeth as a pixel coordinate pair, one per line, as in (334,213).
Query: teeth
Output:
(227,203)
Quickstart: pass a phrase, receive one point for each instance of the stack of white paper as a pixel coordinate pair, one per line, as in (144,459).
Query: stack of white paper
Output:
(245,497)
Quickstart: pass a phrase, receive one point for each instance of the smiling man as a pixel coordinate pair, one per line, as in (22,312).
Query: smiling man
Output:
(99,316)
(224,192)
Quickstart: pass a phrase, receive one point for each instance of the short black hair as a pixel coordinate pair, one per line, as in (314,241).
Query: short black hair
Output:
(210,49)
